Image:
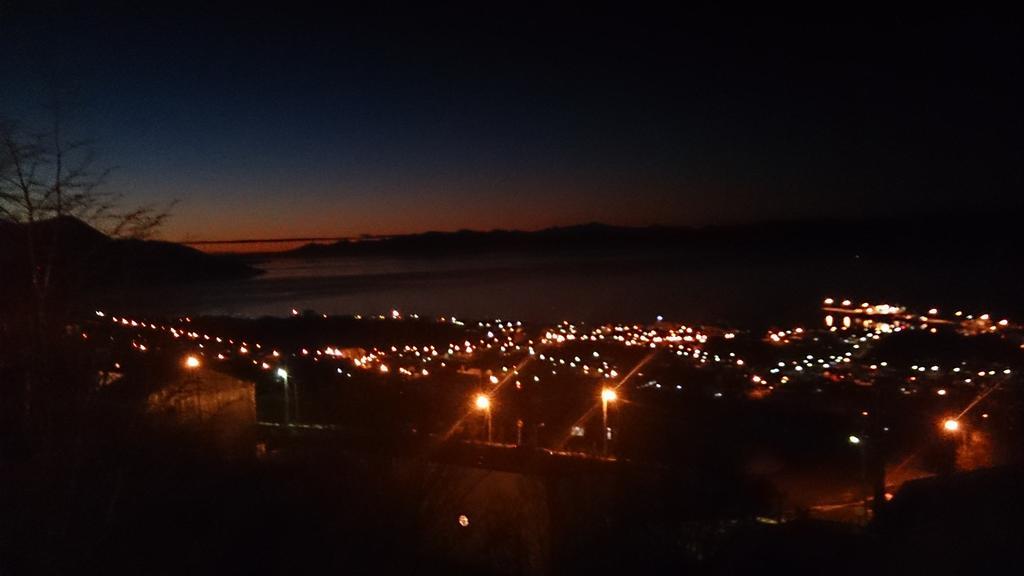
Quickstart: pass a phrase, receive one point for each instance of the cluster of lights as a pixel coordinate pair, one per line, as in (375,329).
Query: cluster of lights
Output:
(500,351)
(605,352)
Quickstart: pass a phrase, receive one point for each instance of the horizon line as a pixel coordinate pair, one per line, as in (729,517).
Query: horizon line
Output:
(279,240)
(1008,212)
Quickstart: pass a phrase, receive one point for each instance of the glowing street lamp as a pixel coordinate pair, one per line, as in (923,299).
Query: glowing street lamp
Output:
(607,395)
(483,402)
(192,362)
(283,375)
(951,425)
(854,439)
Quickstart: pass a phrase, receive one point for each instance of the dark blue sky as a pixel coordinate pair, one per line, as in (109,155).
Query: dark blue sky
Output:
(314,122)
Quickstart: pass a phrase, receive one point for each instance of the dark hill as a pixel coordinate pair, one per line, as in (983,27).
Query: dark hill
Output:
(82,256)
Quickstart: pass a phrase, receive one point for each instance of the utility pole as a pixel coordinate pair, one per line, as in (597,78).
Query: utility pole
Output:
(876,449)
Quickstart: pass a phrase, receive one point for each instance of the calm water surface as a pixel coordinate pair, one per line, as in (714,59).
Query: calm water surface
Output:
(587,287)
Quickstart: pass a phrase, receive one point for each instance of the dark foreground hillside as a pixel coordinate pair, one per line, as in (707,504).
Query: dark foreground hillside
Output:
(73,257)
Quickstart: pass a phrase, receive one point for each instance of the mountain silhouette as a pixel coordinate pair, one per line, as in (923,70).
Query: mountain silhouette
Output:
(80,255)
(914,239)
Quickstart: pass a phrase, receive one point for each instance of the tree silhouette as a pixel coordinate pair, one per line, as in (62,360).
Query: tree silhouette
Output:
(48,178)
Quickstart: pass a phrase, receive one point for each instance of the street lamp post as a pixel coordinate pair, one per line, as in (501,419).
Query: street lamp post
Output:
(607,395)
(192,364)
(953,430)
(872,466)
(484,403)
(283,374)
(858,442)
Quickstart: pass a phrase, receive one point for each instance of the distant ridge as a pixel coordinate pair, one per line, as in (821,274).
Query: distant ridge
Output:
(82,254)
(926,237)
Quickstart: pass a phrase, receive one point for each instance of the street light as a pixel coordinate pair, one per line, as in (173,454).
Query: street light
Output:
(951,425)
(283,375)
(192,364)
(863,445)
(483,402)
(607,395)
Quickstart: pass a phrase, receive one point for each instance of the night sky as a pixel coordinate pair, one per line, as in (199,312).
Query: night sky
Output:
(303,122)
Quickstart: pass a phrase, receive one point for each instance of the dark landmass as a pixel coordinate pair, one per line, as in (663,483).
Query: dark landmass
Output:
(955,523)
(85,257)
(924,238)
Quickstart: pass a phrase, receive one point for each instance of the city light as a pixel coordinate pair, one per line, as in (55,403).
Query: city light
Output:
(282,373)
(951,425)
(609,395)
(192,362)
(854,439)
